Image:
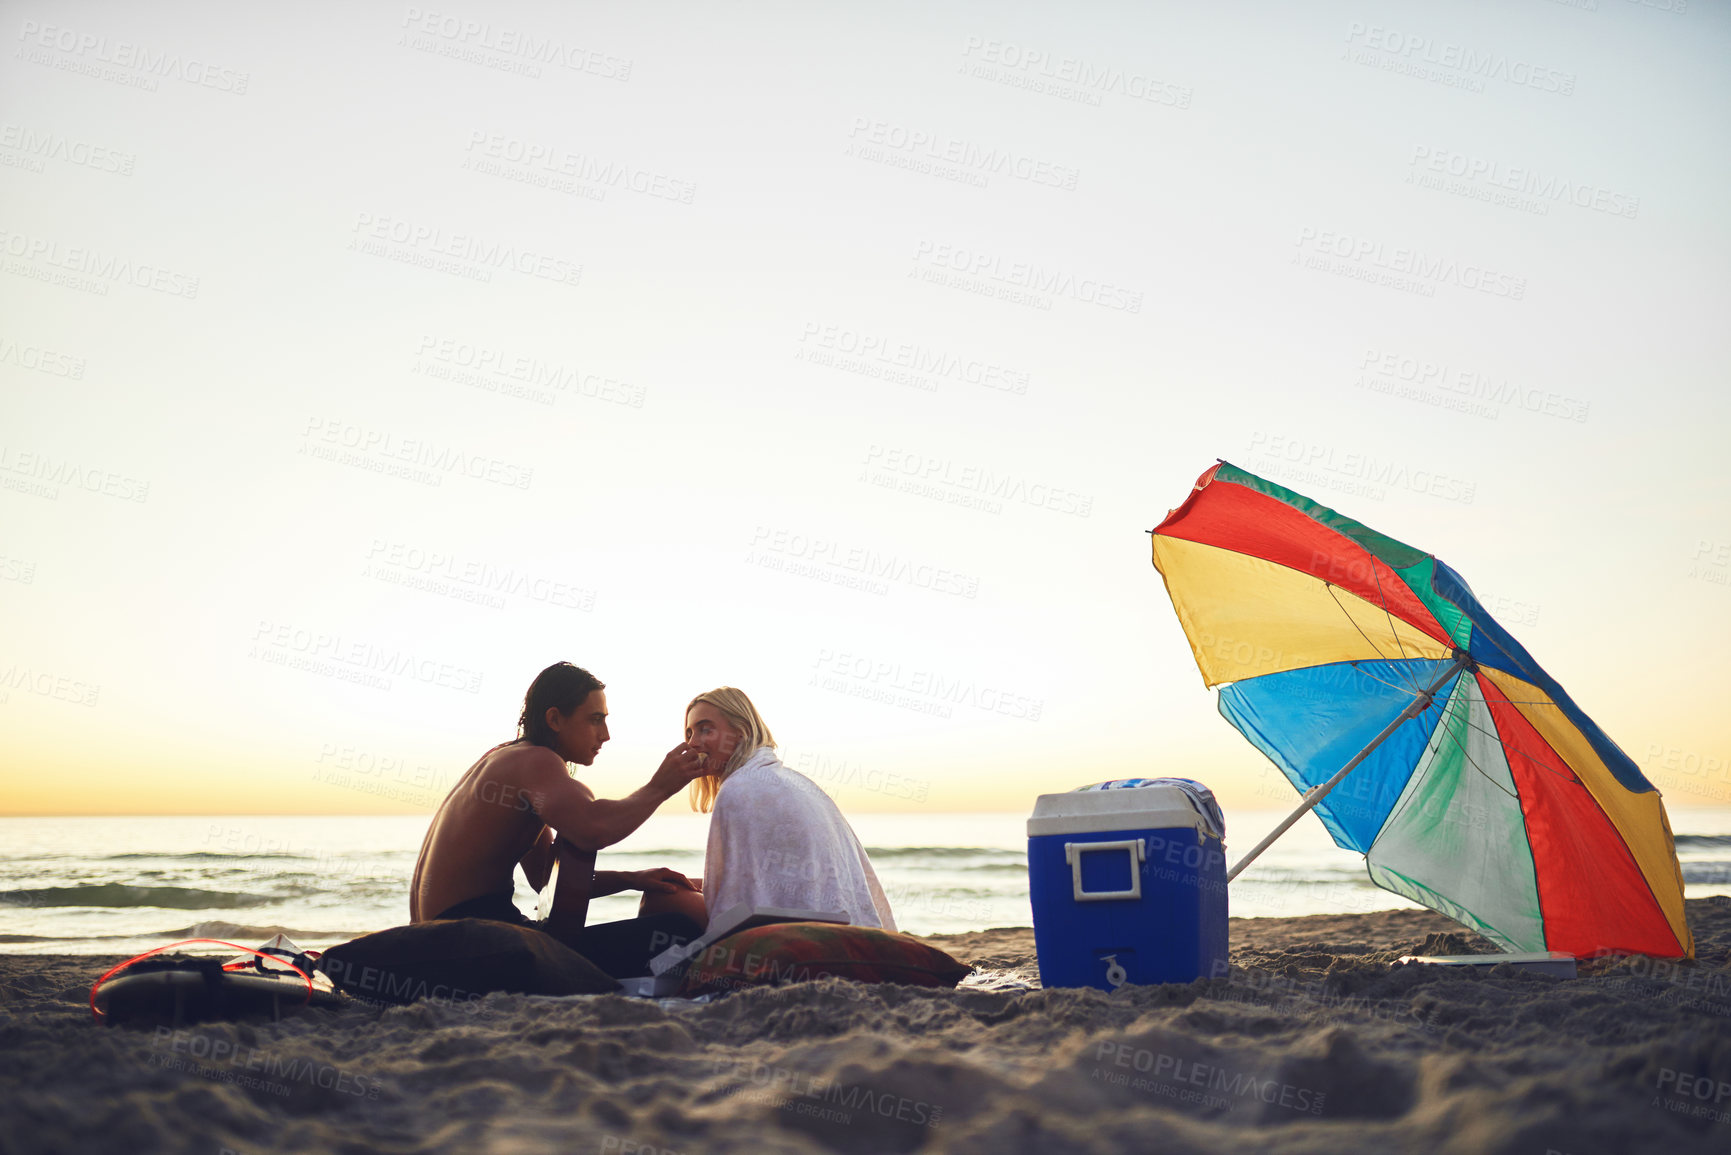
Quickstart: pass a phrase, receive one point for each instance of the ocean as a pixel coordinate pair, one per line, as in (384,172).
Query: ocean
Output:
(124,885)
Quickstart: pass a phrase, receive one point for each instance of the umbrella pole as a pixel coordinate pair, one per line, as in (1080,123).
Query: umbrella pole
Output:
(1316,794)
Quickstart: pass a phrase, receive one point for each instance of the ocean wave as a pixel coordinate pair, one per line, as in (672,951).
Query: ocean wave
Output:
(242,933)
(202,854)
(120,894)
(675,852)
(985,873)
(1705,872)
(1008,869)
(1703,841)
(1310,876)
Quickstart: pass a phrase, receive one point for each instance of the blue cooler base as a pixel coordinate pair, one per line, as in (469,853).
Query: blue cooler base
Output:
(1174,932)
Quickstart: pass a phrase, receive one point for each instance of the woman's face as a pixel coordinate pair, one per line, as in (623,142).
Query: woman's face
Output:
(708,732)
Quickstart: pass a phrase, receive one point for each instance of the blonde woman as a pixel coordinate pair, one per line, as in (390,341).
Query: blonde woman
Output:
(775,838)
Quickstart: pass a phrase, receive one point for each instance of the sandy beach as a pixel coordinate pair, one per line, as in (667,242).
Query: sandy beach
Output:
(1311,1043)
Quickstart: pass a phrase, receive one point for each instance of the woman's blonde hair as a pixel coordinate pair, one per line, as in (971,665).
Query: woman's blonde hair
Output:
(753,731)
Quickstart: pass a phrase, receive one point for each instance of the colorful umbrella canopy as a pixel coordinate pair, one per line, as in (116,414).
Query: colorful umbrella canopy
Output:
(1500,805)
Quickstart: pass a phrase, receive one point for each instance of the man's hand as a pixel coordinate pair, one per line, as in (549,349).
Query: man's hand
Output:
(677,770)
(660,880)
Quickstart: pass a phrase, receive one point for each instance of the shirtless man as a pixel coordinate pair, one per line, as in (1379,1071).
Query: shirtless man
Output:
(508,807)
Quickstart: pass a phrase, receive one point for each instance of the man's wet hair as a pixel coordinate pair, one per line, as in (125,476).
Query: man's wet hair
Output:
(561,685)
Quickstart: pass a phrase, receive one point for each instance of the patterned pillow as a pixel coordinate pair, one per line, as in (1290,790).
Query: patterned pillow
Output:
(794,951)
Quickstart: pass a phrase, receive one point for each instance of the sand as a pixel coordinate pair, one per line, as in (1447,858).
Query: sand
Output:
(1312,1043)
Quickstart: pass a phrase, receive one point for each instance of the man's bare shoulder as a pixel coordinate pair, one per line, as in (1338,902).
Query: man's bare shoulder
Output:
(524,761)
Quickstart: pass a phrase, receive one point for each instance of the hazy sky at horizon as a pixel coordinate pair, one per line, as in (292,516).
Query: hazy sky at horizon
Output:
(357,361)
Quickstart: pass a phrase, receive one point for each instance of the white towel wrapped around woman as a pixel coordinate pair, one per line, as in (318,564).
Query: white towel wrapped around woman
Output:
(776,839)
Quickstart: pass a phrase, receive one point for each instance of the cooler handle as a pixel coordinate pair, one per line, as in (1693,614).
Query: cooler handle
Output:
(1134,847)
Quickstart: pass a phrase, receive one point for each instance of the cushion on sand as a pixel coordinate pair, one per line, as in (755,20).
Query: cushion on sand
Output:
(792,951)
(460,960)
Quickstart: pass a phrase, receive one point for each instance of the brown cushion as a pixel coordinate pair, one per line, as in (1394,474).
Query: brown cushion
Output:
(459,960)
(793,951)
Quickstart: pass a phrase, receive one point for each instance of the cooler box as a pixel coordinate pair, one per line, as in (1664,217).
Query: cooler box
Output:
(1128,886)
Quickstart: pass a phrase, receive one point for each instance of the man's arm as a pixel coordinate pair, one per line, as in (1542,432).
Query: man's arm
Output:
(572,809)
(611,882)
(659,880)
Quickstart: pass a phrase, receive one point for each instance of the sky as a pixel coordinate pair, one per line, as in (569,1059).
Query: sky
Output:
(357,361)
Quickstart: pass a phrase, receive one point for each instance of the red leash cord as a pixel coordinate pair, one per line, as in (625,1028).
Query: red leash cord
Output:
(99,1015)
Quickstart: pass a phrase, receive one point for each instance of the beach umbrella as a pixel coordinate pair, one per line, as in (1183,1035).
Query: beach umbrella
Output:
(1425,737)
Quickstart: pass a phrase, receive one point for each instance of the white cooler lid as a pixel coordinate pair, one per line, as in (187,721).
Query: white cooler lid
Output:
(1092,811)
